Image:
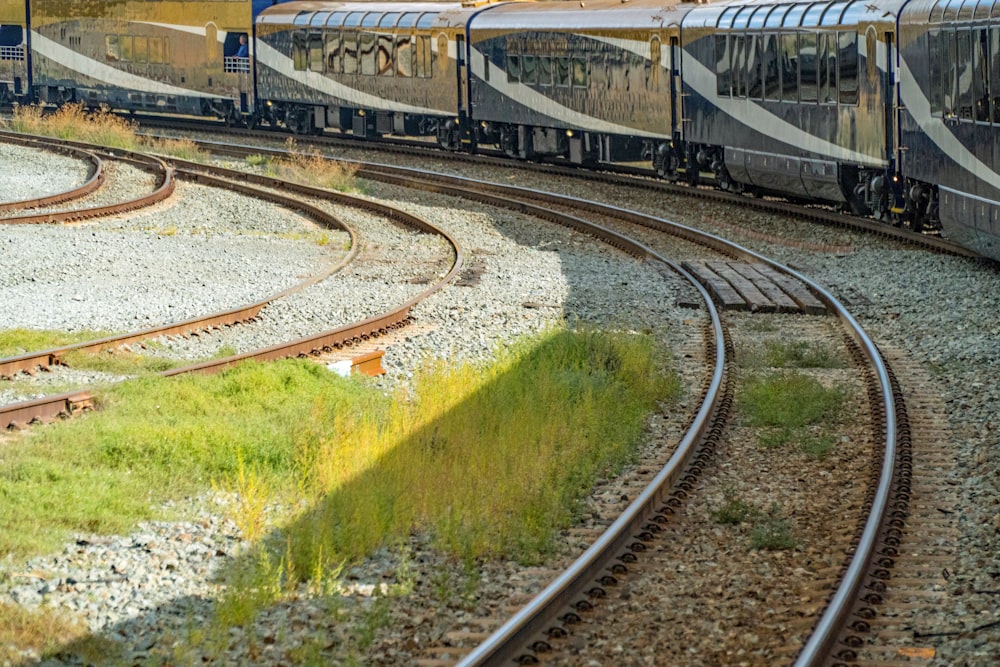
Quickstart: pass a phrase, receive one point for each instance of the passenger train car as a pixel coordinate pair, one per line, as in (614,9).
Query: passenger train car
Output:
(889,108)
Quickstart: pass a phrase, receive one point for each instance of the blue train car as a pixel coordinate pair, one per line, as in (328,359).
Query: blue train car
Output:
(793,97)
(949,79)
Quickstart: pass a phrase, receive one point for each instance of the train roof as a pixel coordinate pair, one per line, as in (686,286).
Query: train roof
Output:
(769,14)
(938,11)
(317,13)
(583,14)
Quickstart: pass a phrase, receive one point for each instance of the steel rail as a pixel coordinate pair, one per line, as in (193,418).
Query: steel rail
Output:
(31,360)
(95,180)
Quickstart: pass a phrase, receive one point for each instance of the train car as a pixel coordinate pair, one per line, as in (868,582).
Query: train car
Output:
(795,98)
(152,55)
(590,81)
(949,73)
(13,50)
(370,68)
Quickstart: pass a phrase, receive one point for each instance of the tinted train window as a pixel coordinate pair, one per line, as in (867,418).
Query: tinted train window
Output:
(579,72)
(808,72)
(529,71)
(722,58)
(995,73)
(789,68)
(949,87)
(425,57)
(738,65)
(333,44)
(300,53)
(366,53)
(158,50)
(370,20)
(544,71)
(963,59)
(934,59)
(427,20)
(772,81)
(847,67)
(408,21)
(514,68)
(753,81)
(353,19)
(562,72)
(980,74)
(389,20)
(141,49)
(125,45)
(316,52)
(111,50)
(349,47)
(404,55)
(827,64)
(384,59)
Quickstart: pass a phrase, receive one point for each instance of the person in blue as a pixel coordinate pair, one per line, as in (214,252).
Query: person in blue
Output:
(244,50)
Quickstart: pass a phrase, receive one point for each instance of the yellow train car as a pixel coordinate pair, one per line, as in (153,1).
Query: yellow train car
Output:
(13,50)
(369,68)
(151,55)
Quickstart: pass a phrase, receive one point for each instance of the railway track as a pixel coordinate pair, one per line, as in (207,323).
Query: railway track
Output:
(532,632)
(625,175)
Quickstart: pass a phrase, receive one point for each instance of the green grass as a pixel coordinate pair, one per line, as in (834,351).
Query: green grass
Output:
(14,342)
(734,510)
(493,460)
(796,354)
(790,400)
(772,532)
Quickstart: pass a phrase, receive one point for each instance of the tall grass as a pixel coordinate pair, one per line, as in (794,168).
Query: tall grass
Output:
(308,167)
(75,123)
(14,342)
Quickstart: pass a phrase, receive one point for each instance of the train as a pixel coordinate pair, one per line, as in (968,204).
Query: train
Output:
(886,108)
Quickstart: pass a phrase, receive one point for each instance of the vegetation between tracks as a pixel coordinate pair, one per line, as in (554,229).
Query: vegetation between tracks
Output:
(73,122)
(492,460)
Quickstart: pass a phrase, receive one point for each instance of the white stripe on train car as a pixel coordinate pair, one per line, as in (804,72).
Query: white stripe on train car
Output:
(105,73)
(282,64)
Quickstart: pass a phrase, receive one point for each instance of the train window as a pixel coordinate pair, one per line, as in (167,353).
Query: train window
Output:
(427,20)
(111,49)
(316,52)
(513,68)
(775,17)
(772,81)
(544,71)
(949,87)
(980,74)
(384,58)
(389,20)
(963,62)
(808,71)
(789,67)
(579,72)
(336,19)
(529,70)
(318,19)
(562,72)
(125,44)
(847,67)
(722,58)
(333,50)
(140,49)
(425,57)
(404,56)
(726,18)
(300,53)
(758,17)
(738,65)
(370,20)
(826,63)
(751,74)
(934,60)
(366,53)
(854,14)
(813,14)
(408,20)
(995,74)
(349,49)
(832,15)
(302,18)
(353,19)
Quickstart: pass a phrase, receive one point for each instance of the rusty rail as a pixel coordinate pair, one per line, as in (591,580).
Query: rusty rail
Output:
(93,183)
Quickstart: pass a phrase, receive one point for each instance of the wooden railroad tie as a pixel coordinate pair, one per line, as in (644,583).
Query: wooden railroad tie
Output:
(753,287)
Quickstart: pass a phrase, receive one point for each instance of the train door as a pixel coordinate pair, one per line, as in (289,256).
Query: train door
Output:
(676,109)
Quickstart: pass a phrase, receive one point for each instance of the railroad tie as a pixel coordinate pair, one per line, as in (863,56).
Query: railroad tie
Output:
(722,292)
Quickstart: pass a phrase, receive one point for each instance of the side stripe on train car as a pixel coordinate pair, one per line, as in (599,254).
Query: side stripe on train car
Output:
(702,81)
(105,73)
(271,57)
(920,108)
(536,101)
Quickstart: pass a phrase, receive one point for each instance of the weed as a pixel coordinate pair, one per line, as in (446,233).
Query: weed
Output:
(817,446)
(734,510)
(21,341)
(375,618)
(257,160)
(790,400)
(74,122)
(772,532)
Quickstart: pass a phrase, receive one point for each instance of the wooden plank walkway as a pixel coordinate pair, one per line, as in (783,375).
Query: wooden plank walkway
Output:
(754,287)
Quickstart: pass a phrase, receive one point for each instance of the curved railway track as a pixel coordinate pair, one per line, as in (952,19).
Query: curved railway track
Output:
(534,630)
